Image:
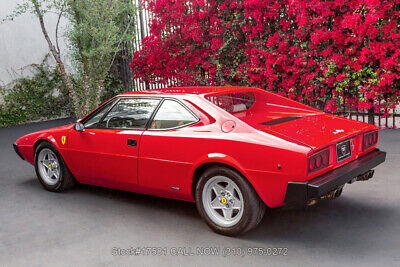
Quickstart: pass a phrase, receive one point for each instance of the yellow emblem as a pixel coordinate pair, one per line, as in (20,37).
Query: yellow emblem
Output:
(63,140)
(223,200)
(50,167)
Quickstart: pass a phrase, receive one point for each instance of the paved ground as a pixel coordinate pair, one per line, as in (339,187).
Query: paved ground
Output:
(80,227)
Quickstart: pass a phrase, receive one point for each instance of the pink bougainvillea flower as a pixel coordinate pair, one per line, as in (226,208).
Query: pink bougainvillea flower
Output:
(343,53)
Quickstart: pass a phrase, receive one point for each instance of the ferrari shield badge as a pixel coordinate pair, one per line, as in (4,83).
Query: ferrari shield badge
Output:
(63,140)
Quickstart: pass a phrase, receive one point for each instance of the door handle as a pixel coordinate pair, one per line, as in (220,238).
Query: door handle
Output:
(132,142)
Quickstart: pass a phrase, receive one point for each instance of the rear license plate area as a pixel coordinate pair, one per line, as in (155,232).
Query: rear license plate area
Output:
(343,150)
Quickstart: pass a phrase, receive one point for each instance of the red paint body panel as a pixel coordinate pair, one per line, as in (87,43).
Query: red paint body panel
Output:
(105,155)
(166,160)
(320,130)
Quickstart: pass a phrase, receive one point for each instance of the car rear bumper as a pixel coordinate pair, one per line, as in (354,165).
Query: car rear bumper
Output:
(301,193)
(17,151)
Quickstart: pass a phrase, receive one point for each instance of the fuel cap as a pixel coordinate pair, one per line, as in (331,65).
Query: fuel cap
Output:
(228,126)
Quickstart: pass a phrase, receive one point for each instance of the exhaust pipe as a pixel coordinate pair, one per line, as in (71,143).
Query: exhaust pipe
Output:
(365,176)
(337,192)
(329,196)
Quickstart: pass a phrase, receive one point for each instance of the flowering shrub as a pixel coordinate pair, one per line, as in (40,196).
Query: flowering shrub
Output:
(327,53)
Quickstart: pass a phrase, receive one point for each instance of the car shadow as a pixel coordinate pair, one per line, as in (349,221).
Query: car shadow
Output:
(89,194)
(346,224)
(178,207)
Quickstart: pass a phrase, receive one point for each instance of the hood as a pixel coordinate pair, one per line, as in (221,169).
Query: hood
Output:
(56,129)
(50,131)
(29,139)
(314,130)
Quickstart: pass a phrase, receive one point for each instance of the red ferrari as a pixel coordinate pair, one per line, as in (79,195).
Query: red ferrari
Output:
(232,150)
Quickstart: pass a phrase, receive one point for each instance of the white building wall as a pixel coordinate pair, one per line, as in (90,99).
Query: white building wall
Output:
(22,42)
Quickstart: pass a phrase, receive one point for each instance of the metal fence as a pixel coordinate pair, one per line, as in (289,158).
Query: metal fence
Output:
(383,119)
(141,23)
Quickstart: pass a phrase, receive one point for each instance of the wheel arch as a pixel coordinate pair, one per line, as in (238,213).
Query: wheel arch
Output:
(49,138)
(38,142)
(200,168)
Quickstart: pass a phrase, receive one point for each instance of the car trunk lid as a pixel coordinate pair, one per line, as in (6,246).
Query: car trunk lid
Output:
(316,130)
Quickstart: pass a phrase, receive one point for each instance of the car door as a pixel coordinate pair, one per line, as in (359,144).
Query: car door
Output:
(164,156)
(106,152)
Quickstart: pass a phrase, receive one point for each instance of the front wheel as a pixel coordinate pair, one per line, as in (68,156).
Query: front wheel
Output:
(227,202)
(51,169)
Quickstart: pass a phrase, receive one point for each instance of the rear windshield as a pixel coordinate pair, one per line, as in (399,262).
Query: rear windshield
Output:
(233,102)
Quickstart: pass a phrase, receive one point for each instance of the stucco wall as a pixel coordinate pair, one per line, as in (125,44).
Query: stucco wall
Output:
(22,42)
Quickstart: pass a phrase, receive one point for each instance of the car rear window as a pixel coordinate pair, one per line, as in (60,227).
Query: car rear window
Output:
(233,102)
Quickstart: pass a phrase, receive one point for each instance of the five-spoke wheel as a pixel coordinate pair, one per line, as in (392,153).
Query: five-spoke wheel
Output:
(51,169)
(227,201)
(223,201)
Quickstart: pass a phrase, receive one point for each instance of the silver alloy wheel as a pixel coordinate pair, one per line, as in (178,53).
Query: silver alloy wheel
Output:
(223,201)
(49,167)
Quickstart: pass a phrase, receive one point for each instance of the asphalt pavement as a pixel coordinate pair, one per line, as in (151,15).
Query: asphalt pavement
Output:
(89,226)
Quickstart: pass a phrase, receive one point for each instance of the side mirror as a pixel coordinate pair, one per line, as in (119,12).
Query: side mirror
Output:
(79,127)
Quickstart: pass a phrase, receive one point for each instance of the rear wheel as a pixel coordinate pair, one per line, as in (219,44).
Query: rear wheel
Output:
(51,169)
(227,202)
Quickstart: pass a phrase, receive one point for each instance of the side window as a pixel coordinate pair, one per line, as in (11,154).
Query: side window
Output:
(172,114)
(96,117)
(130,113)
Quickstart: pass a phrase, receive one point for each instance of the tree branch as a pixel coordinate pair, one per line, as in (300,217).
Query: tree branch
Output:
(120,42)
(53,50)
(56,54)
(57,26)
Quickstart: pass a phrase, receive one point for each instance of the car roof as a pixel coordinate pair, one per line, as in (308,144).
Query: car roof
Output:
(198,90)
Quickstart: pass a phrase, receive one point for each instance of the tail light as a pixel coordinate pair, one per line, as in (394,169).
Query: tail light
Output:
(318,161)
(370,139)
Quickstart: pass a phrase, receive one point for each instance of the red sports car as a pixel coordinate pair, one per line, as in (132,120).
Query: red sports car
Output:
(232,150)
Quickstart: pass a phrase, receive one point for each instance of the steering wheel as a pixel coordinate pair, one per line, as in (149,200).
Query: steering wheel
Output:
(110,119)
(123,121)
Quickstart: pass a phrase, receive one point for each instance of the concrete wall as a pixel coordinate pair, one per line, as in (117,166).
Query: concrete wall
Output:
(22,42)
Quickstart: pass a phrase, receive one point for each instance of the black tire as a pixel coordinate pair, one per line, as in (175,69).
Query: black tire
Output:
(253,209)
(66,179)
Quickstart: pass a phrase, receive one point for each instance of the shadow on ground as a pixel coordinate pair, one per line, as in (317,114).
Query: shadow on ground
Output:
(346,224)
